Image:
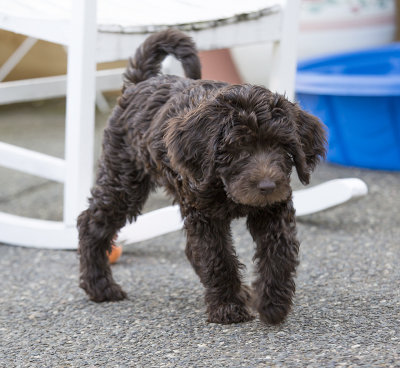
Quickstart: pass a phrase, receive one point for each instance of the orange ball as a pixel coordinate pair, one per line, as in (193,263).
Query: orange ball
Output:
(115,253)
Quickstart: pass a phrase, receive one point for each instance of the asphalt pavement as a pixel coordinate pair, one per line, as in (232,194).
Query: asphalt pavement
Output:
(346,310)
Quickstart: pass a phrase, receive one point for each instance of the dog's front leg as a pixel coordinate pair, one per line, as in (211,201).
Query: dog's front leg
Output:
(210,251)
(276,257)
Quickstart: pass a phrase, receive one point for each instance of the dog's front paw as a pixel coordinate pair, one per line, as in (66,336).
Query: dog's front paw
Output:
(273,313)
(103,291)
(229,313)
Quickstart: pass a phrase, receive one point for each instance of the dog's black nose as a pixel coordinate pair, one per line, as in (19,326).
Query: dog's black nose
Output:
(266,186)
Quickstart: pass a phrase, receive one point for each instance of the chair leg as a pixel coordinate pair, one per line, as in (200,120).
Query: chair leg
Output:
(79,135)
(284,56)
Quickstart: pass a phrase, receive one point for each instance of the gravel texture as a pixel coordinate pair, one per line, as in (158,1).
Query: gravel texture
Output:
(346,312)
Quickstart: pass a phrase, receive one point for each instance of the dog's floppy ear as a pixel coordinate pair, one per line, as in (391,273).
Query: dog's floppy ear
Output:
(312,144)
(190,140)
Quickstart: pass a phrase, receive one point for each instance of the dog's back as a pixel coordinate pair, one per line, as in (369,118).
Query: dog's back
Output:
(150,98)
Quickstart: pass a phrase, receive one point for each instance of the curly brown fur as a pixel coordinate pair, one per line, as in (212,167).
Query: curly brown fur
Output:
(221,151)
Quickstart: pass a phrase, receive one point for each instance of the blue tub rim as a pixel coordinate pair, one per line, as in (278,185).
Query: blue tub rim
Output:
(318,83)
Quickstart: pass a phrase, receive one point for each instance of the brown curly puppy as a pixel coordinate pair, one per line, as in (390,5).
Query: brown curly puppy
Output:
(221,151)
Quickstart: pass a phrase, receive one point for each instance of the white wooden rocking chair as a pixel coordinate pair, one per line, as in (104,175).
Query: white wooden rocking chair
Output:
(120,26)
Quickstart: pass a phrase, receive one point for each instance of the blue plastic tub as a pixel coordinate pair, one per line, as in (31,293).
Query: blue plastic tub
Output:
(357,96)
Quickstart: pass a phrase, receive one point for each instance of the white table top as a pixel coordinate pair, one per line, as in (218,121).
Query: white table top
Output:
(130,16)
(117,19)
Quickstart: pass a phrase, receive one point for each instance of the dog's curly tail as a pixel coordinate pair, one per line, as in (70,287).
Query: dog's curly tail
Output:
(148,57)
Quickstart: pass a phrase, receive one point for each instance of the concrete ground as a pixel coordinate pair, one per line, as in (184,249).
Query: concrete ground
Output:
(347,306)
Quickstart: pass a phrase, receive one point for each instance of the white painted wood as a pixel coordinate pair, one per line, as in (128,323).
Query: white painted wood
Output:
(34,233)
(16,56)
(152,224)
(56,235)
(284,59)
(32,89)
(32,162)
(52,87)
(112,46)
(79,132)
(327,195)
(36,28)
(37,17)
(29,232)
(42,19)
(125,16)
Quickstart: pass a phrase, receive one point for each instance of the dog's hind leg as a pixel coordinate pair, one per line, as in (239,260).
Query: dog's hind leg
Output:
(209,249)
(119,194)
(274,231)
